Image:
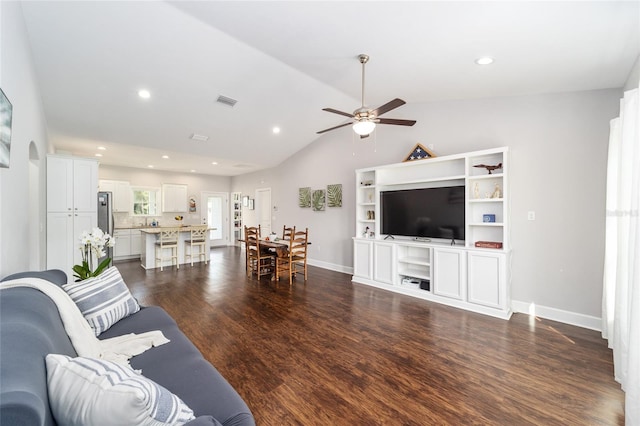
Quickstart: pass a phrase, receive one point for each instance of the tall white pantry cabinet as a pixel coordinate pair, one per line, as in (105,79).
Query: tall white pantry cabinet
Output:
(72,207)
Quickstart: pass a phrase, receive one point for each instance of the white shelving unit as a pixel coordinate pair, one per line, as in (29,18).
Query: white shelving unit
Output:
(236,212)
(462,275)
(366,204)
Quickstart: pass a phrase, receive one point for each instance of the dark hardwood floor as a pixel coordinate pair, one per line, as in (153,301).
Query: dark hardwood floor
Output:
(330,352)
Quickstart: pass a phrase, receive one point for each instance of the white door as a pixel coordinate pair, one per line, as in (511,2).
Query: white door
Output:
(215,213)
(263,208)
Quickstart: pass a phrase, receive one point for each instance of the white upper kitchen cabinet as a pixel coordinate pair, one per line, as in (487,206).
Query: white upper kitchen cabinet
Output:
(121,193)
(72,184)
(174,198)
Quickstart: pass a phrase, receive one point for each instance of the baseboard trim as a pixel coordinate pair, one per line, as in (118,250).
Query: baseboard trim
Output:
(330,266)
(554,314)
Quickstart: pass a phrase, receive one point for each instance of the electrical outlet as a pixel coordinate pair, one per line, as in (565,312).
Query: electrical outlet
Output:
(531,215)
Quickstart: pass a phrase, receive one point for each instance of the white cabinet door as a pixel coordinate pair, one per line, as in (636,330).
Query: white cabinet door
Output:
(122,245)
(122,197)
(383,263)
(486,279)
(121,194)
(449,273)
(82,222)
(107,185)
(85,185)
(60,244)
(362,258)
(59,184)
(136,242)
(174,198)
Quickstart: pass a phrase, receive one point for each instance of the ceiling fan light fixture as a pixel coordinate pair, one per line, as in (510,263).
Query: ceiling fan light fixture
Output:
(364,127)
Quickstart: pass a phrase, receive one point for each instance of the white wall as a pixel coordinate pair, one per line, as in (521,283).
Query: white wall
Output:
(633,81)
(558,146)
(196,183)
(18,81)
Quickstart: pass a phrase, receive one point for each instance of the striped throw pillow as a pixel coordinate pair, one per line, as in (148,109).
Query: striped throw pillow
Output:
(87,391)
(103,300)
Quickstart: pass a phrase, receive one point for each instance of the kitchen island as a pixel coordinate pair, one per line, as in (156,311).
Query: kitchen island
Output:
(148,249)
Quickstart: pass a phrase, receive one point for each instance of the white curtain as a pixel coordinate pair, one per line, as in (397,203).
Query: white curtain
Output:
(621,290)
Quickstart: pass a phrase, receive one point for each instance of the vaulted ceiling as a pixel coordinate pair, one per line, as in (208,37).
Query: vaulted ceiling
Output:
(285,61)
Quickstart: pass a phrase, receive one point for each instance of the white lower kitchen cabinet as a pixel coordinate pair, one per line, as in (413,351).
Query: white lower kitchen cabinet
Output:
(128,244)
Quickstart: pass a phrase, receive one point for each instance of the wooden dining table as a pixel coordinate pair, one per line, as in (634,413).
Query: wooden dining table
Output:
(281,247)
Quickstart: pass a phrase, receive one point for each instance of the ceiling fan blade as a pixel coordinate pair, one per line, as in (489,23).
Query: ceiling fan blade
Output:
(336,127)
(396,121)
(388,107)
(335,111)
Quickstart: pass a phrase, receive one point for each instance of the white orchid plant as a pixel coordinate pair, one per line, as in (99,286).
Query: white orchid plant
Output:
(92,247)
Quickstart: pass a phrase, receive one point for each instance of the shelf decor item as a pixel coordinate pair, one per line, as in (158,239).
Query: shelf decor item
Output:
(490,168)
(489,244)
(489,218)
(334,195)
(497,192)
(419,152)
(92,246)
(6,113)
(318,198)
(304,197)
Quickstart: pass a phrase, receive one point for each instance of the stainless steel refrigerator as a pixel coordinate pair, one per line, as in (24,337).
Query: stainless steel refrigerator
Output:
(105,219)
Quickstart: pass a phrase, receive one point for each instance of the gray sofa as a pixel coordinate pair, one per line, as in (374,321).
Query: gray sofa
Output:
(31,328)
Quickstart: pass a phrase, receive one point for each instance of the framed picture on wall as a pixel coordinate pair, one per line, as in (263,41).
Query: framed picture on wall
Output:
(245,201)
(6,113)
(251,204)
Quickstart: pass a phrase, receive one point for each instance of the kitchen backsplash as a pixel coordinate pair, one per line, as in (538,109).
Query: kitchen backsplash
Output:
(126,220)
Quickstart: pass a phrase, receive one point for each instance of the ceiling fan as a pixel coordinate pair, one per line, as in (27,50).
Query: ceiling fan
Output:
(365,119)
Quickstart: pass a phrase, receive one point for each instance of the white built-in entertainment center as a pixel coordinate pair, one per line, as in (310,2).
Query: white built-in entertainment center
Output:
(453,272)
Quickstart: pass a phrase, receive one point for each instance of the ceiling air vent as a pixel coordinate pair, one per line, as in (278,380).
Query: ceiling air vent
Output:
(197,137)
(226,101)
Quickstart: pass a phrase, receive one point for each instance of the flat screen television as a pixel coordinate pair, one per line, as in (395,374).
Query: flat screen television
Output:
(424,213)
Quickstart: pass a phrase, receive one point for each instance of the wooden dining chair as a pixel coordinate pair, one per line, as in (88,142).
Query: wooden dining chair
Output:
(168,239)
(259,261)
(197,238)
(296,258)
(298,250)
(287,231)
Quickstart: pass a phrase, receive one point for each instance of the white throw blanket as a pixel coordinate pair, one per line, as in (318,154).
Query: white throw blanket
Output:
(118,349)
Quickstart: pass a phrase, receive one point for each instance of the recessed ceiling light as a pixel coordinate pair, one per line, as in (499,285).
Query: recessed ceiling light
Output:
(144,94)
(102,148)
(485,60)
(165,157)
(276,130)
(150,166)
(98,155)
(193,171)
(215,163)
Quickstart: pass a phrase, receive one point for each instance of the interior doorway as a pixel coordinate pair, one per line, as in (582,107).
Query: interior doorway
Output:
(215,213)
(263,209)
